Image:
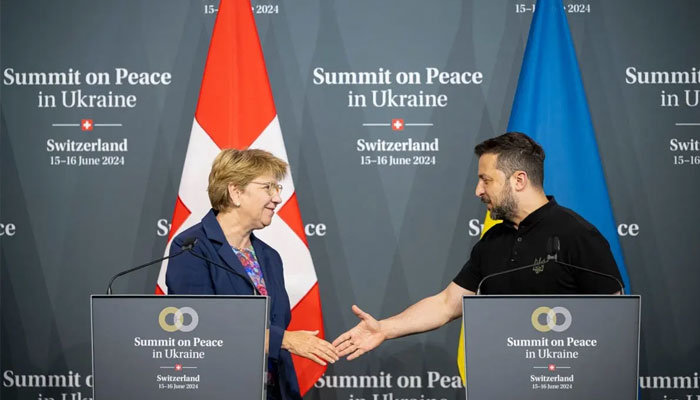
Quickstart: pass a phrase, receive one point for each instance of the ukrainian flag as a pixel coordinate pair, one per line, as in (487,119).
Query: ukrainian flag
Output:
(550,106)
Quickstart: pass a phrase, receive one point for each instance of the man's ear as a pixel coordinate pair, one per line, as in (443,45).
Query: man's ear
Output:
(520,180)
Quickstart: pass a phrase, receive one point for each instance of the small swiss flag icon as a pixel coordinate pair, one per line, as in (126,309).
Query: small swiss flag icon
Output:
(86,124)
(178,367)
(552,367)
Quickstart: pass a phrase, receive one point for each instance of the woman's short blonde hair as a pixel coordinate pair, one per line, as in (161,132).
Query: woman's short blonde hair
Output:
(240,167)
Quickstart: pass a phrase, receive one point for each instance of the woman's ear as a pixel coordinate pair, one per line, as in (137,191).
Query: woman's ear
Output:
(234,194)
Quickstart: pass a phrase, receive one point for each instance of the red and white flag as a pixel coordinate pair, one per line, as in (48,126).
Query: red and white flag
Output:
(236,110)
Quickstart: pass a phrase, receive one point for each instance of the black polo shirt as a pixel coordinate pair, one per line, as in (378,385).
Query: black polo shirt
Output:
(504,247)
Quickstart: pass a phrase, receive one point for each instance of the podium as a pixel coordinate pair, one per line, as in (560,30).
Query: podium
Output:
(179,347)
(551,347)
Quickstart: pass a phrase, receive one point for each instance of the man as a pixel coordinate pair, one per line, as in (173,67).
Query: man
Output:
(511,176)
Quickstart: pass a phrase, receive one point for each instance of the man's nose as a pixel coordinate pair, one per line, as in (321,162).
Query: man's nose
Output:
(479,189)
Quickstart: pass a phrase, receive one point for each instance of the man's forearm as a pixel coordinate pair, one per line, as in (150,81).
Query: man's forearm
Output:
(428,314)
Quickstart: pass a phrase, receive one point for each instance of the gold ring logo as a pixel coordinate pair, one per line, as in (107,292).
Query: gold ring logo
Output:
(178,319)
(551,319)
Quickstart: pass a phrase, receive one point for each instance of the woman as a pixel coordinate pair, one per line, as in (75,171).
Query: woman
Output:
(244,192)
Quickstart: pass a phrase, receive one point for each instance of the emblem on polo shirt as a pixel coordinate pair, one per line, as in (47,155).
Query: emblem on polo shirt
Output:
(539,265)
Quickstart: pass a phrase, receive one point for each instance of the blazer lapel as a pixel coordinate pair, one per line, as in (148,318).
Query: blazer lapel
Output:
(214,233)
(265,267)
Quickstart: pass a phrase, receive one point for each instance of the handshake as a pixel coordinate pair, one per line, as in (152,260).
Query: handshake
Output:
(427,314)
(364,337)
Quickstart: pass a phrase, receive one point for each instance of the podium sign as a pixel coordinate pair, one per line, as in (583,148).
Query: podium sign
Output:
(551,347)
(178,347)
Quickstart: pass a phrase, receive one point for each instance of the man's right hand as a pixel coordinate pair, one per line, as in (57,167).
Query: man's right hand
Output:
(428,314)
(364,337)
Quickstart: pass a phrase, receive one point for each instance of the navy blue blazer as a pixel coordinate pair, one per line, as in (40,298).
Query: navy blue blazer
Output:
(190,275)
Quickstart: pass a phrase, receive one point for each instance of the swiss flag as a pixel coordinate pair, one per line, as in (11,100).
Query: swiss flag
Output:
(397,124)
(86,124)
(236,110)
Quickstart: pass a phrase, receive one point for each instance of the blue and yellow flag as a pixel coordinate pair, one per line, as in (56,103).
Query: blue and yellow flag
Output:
(550,106)
(488,223)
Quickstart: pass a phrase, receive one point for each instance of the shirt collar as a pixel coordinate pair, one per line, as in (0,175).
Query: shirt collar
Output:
(536,216)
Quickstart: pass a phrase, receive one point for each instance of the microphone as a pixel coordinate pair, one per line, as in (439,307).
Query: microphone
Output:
(553,247)
(187,245)
(224,267)
(508,271)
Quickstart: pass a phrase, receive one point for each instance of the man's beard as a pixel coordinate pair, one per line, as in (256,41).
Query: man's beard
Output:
(508,206)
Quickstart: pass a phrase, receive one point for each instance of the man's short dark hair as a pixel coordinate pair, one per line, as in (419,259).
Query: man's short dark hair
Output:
(516,152)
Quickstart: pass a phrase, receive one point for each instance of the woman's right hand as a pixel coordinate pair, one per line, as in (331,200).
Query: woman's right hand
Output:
(306,344)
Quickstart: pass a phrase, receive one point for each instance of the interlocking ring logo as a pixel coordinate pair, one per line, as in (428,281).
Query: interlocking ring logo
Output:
(178,319)
(552,319)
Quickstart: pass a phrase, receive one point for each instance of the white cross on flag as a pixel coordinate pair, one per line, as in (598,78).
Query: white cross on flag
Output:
(236,110)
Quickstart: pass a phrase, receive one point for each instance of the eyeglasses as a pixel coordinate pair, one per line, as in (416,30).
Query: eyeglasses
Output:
(272,188)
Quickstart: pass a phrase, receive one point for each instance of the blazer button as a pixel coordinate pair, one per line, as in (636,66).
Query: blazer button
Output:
(274,316)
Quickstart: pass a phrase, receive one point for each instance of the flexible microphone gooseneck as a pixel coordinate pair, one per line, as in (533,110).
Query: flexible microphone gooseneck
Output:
(553,247)
(187,245)
(224,267)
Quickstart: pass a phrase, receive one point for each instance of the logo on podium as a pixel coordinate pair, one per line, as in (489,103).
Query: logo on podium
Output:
(178,323)
(551,321)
